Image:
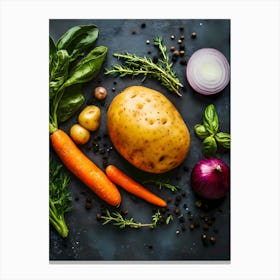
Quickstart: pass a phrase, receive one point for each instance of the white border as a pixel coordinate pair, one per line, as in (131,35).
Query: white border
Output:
(255,130)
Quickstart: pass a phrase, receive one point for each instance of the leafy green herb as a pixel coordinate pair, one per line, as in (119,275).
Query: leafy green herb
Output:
(210,119)
(117,219)
(78,39)
(161,185)
(59,198)
(52,48)
(209,146)
(223,139)
(201,131)
(161,70)
(70,102)
(169,219)
(88,68)
(208,132)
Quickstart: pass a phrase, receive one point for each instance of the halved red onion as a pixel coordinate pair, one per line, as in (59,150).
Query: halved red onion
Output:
(208,71)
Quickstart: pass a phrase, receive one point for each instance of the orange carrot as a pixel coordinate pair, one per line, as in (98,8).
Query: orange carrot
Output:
(121,179)
(84,168)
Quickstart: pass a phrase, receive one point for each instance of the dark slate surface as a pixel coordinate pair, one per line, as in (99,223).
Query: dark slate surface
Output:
(88,238)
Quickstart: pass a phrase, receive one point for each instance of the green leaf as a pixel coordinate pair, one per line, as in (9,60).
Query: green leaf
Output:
(78,39)
(70,103)
(209,146)
(58,71)
(88,68)
(201,131)
(52,49)
(223,139)
(210,119)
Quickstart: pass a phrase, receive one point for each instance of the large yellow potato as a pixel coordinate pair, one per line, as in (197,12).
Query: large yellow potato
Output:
(147,130)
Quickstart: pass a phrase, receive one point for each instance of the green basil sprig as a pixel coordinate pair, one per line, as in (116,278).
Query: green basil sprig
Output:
(208,132)
(78,39)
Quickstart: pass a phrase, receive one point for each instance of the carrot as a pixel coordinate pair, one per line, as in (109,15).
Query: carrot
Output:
(121,179)
(84,168)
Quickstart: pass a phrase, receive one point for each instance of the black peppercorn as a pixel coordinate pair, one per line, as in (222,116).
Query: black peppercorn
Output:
(213,239)
(172,37)
(192,226)
(181,28)
(133,31)
(172,48)
(193,35)
(183,61)
(143,25)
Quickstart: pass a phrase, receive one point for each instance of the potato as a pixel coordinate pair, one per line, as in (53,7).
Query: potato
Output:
(89,118)
(79,134)
(147,130)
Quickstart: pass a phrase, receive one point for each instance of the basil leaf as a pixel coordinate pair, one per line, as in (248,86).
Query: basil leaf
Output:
(88,68)
(210,119)
(201,131)
(58,71)
(70,103)
(209,146)
(78,39)
(223,139)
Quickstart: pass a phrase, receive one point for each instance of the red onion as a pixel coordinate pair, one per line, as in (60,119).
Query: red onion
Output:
(208,71)
(210,178)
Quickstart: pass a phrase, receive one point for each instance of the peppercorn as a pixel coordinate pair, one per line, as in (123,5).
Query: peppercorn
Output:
(192,226)
(181,53)
(169,199)
(133,31)
(182,37)
(213,239)
(204,239)
(193,35)
(143,25)
(155,59)
(179,41)
(182,47)
(181,28)
(98,217)
(174,58)
(183,194)
(176,53)
(177,211)
(206,226)
(172,37)
(172,48)
(148,42)
(178,198)
(113,89)
(183,61)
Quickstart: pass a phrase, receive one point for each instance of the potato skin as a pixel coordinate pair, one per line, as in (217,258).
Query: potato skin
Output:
(89,118)
(147,130)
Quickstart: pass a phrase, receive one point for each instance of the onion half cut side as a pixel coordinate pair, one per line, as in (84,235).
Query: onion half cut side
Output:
(208,71)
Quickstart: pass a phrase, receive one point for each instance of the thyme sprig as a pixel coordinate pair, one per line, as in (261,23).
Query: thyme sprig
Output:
(161,70)
(162,185)
(118,220)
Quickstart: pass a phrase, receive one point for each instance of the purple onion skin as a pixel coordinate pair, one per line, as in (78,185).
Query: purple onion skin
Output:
(210,178)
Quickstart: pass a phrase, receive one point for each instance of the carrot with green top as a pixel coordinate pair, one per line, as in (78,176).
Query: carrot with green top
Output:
(127,183)
(81,166)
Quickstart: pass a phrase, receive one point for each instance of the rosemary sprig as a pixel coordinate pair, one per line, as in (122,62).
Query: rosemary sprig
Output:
(135,65)
(118,220)
(161,185)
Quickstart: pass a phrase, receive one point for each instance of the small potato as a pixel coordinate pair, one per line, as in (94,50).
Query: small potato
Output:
(79,134)
(89,118)
(100,93)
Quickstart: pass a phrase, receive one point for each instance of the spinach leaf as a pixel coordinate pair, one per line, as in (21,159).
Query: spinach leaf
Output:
(78,39)
(88,68)
(210,119)
(52,49)
(58,71)
(70,103)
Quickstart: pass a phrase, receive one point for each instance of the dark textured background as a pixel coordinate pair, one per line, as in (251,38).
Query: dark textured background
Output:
(88,239)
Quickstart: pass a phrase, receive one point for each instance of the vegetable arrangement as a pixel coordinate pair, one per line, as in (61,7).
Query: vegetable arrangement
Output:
(65,100)
(158,120)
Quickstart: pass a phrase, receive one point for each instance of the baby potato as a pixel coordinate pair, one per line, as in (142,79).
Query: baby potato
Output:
(147,130)
(89,118)
(79,134)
